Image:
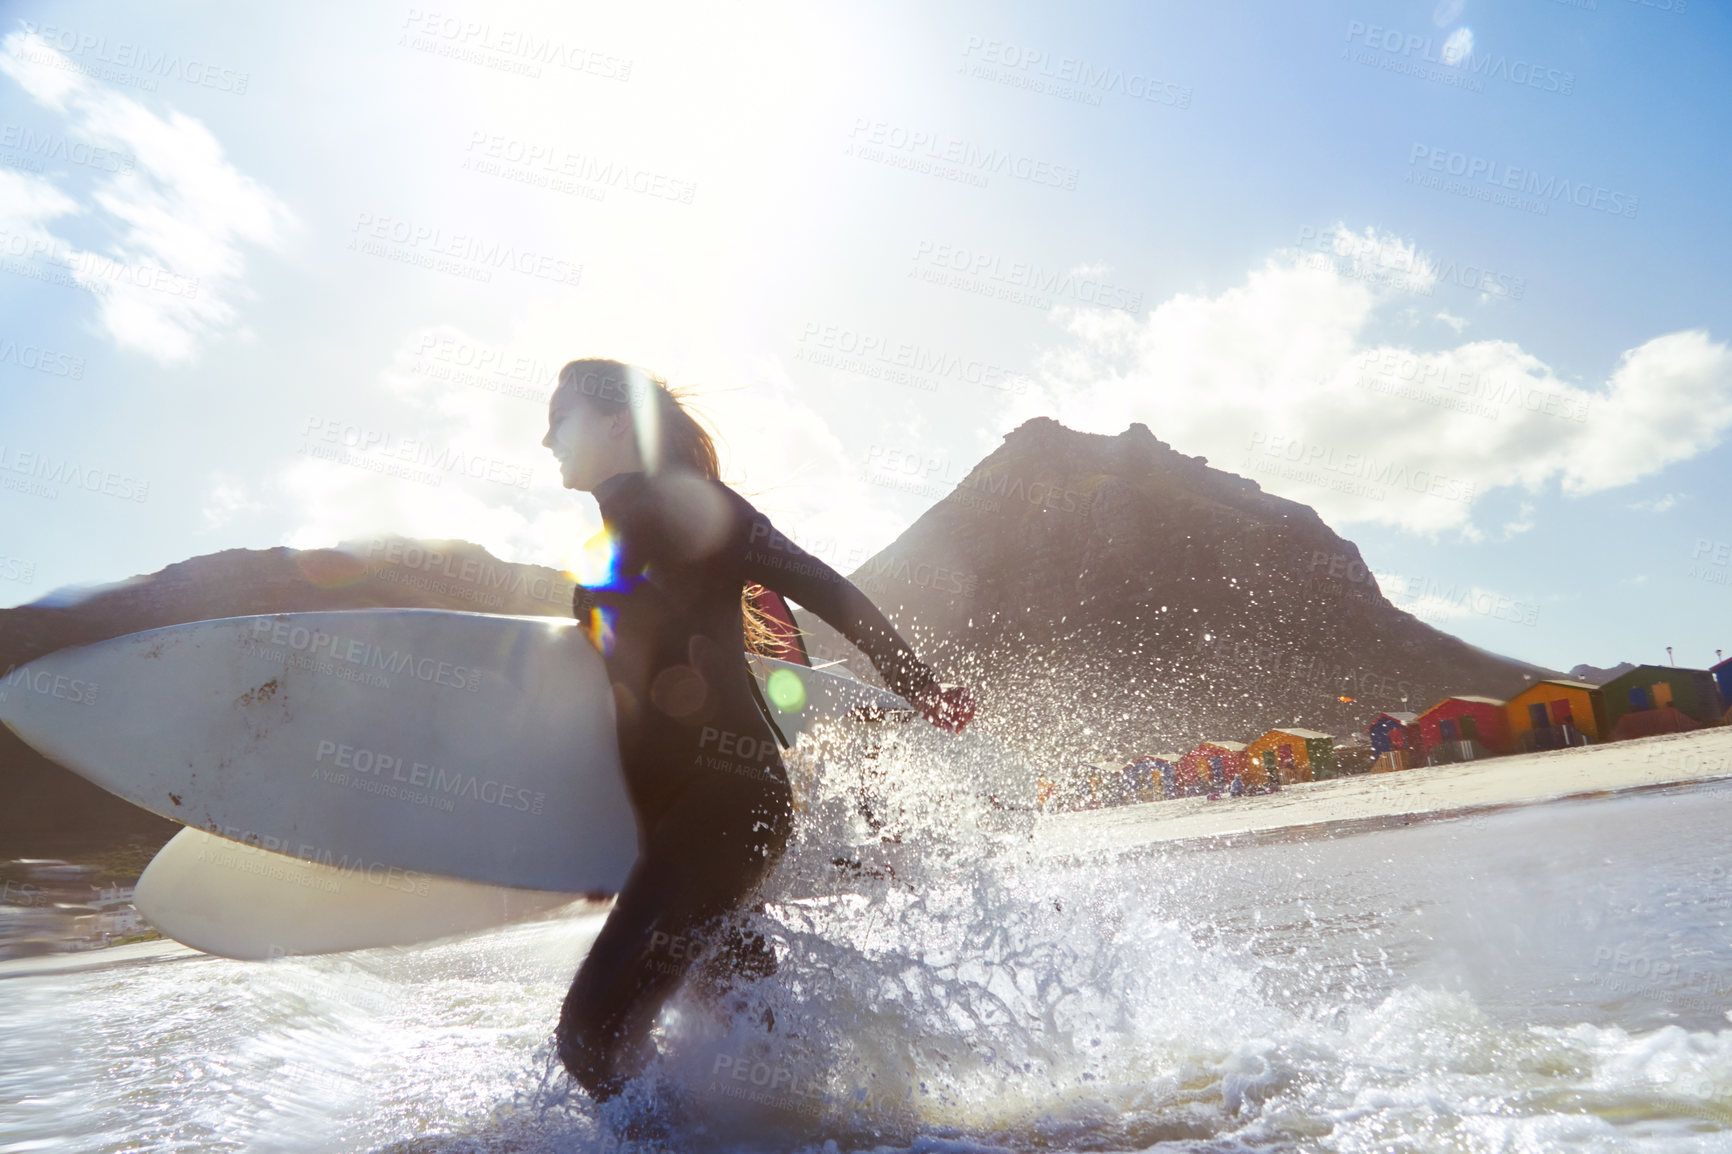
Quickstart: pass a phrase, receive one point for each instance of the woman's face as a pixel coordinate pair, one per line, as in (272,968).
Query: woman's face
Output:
(585,443)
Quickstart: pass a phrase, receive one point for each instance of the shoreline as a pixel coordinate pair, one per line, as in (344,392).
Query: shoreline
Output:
(1348,805)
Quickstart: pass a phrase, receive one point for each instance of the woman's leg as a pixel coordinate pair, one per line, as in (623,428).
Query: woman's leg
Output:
(630,971)
(702,862)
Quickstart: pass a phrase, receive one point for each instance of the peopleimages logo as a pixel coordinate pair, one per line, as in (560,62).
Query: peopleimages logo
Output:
(543,160)
(496,579)
(1490,66)
(416,782)
(47,146)
(522,49)
(1711,561)
(876,355)
(357,653)
(48,472)
(89,47)
(1436,373)
(1398,261)
(1360,466)
(1020,282)
(1066,77)
(479,366)
(919,149)
(1497,177)
(467,354)
(1429,599)
(91,272)
(465,253)
(415,458)
(75,690)
(41,360)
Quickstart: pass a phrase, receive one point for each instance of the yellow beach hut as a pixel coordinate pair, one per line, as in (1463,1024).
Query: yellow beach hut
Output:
(1289,755)
(1554,714)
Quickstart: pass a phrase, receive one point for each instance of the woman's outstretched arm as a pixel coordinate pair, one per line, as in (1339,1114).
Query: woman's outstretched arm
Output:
(772,559)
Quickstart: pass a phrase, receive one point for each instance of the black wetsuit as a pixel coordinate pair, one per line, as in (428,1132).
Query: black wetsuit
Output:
(704,774)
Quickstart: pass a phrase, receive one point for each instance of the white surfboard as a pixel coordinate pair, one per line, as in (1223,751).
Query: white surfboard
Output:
(458,744)
(239,901)
(376,732)
(469,746)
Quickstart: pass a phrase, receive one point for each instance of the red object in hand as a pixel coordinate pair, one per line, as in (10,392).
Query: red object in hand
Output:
(949,707)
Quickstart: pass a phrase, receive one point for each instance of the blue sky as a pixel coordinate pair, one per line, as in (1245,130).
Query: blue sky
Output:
(1454,274)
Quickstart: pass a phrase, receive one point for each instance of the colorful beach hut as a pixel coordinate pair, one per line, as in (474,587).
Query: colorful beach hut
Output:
(1464,728)
(1211,765)
(1395,741)
(1088,788)
(1555,714)
(1689,692)
(1168,763)
(1284,756)
(1152,776)
(1389,731)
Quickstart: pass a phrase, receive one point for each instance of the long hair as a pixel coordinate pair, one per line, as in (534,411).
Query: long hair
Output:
(668,436)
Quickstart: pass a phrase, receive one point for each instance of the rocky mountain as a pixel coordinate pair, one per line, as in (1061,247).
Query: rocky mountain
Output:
(53,812)
(1105,595)
(1108,597)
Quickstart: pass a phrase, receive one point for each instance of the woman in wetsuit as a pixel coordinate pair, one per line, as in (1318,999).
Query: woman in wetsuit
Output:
(667,617)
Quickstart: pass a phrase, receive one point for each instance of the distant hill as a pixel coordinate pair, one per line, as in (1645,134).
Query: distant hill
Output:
(50,811)
(1109,597)
(1594,675)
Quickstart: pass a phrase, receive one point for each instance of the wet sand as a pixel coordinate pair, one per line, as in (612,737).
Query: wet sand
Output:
(1383,800)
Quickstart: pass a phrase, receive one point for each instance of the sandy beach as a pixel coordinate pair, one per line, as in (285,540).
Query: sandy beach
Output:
(1375,801)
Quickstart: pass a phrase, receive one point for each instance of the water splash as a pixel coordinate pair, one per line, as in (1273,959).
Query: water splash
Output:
(944,988)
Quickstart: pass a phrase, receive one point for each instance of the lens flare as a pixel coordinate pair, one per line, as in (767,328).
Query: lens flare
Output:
(330,568)
(600,628)
(645,417)
(786,690)
(597,563)
(1459,46)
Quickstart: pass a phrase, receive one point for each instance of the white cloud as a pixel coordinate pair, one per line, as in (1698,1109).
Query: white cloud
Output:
(1279,379)
(390,471)
(1522,523)
(172,264)
(783,455)
(1381,258)
(26,204)
(1454,322)
(355,498)
(1666,402)
(429,457)
(1656,505)
(228,498)
(1387,263)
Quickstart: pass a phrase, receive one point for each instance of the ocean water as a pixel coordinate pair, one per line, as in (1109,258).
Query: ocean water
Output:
(1551,978)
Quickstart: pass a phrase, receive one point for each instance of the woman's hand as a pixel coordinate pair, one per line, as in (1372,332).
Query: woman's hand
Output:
(949,707)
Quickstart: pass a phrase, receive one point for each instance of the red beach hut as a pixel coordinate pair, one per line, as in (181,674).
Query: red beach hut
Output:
(1211,765)
(1464,728)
